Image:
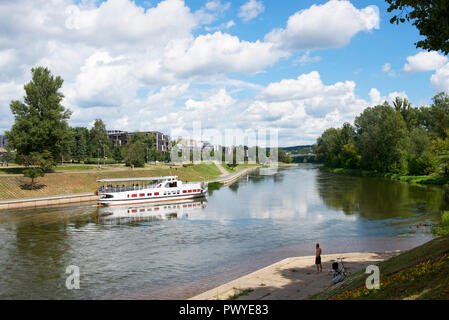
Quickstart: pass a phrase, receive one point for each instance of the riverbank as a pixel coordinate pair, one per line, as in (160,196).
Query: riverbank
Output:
(194,172)
(291,279)
(16,186)
(429,179)
(419,273)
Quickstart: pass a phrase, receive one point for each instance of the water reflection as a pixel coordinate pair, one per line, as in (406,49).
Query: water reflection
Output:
(376,198)
(151,212)
(128,249)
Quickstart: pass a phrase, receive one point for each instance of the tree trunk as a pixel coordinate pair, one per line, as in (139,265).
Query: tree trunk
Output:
(32,183)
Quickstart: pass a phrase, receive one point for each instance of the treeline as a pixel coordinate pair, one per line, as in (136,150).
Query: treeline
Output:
(89,145)
(396,138)
(42,137)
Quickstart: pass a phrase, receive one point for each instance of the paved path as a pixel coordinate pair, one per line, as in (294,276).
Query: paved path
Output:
(223,171)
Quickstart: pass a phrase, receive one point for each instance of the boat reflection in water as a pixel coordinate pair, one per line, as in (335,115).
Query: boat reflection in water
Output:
(183,209)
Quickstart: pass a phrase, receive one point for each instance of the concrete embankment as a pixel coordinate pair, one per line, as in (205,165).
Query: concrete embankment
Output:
(47,201)
(232,177)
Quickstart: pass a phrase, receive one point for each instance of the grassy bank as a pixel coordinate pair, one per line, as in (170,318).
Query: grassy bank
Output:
(66,181)
(420,273)
(430,179)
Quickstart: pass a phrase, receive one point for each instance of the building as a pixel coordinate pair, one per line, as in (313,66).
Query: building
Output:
(3,141)
(118,138)
(162,141)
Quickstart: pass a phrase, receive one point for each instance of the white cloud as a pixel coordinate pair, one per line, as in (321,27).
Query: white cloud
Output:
(211,11)
(325,26)
(440,79)
(425,61)
(251,10)
(306,58)
(377,98)
(220,53)
(387,69)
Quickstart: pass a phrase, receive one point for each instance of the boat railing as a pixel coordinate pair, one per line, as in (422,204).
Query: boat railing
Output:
(113,189)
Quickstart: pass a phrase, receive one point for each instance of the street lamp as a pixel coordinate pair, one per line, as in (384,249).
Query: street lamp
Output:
(98,158)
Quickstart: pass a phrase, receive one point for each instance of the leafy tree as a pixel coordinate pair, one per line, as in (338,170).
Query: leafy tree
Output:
(439,113)
(79,145)
(99,139)
(148,140)
(421,159)
(134,153)
(409,114)
(430,17)
(383,139)
(337,147)
(40,124)
(33,173)
(8,156)
(283,156)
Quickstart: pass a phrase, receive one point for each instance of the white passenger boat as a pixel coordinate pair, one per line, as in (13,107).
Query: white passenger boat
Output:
(148,190)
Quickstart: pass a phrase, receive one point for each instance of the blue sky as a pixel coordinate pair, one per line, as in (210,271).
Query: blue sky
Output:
(299,67)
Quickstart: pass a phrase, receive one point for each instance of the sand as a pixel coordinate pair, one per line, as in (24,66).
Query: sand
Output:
(292,278)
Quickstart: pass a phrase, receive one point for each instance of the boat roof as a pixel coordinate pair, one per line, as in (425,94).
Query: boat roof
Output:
(138,179)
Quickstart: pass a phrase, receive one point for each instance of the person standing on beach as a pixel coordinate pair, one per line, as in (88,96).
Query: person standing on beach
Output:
(319,267)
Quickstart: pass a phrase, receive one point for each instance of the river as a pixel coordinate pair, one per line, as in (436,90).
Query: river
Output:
(179,250)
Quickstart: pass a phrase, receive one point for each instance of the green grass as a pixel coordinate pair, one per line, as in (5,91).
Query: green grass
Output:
(241,293)
(66,182)
(443,228)
(433,284)
(430,179)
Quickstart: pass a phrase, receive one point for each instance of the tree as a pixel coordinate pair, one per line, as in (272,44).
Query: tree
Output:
(8,156)
(37,164)
(134,154)
(33,173)
(430,17)
(409,114)
(439,113)
(283,156)
(99,139)
(421,159)
(79,145)
(40,123)
(383,139)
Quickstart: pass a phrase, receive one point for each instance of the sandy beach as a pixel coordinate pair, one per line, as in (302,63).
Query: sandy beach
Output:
(293,278)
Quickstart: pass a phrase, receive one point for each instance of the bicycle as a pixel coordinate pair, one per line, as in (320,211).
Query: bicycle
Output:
(340,272)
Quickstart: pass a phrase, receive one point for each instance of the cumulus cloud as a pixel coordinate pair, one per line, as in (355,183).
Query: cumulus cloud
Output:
(440,79)
(108,52)
(251,10)
(425,61)
(220,52)
(330,25)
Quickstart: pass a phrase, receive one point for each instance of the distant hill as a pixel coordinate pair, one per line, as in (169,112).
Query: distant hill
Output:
(297,147)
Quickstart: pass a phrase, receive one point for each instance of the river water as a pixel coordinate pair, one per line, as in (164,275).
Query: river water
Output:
(175,251)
